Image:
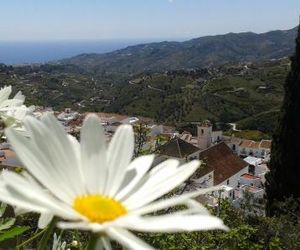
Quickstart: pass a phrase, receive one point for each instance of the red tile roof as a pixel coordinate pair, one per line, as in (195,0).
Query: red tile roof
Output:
(246,143)
(254,144)
(265,144)
(220,159)
(250,176)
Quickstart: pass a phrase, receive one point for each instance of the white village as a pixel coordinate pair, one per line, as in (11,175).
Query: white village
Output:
(237,165)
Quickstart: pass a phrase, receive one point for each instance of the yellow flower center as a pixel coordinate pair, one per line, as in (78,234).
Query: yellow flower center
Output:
(98,208)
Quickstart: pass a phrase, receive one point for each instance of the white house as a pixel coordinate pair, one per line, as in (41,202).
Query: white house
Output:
(129,120)
(222,164)
(216,136)
(67,115)
(188,137)
(156,129)
(253,160)
(250,180)
(246,148)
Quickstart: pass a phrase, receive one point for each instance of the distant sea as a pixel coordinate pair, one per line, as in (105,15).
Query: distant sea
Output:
(44,51)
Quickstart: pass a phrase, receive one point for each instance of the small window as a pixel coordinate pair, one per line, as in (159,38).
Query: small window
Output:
(233,147)
(251,169)
(228,182)
(202,131)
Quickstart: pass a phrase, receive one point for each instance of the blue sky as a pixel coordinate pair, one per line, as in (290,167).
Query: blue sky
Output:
(141,19)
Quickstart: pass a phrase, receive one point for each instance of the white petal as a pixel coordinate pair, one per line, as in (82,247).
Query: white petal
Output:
(136,171)
(77,148)
(193,207)
(174,223)
(20,114)
(50,156)
(173,201)
(39,166)
(93,154)
(167,165)
(106,243)
(64,152)
(19,211)
(120,152)
(86,226)
(157,175)
(4,93)
(44,220)
(99,244)
(10,104)
(25,195)
(149,194)
(127,239)
(15,199)
(161,172)
(21,205)
(19,96)
(30,109)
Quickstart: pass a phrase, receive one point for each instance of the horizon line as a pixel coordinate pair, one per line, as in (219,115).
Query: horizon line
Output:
(146,39)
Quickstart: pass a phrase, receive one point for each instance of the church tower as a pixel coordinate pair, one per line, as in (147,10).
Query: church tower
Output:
(204,134)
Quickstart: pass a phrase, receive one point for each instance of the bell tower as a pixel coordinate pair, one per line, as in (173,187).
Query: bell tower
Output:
(204,133)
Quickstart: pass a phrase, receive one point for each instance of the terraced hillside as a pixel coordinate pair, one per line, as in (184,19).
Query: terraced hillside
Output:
(249,94)
(227,94)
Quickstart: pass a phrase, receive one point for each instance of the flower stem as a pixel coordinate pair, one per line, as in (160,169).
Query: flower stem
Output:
(47,234)
(93,242)
(24,243)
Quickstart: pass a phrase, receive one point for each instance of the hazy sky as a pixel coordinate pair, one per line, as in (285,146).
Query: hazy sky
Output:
(141,19)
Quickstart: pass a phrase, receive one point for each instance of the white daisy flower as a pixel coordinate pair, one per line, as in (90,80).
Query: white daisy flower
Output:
(13,111)
(96,187)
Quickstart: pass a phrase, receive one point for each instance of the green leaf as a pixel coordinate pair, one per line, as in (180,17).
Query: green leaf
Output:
(2,208)
(6,223)
(13,233)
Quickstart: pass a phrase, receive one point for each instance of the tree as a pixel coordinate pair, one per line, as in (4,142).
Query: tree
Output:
(283,179)
(141,138)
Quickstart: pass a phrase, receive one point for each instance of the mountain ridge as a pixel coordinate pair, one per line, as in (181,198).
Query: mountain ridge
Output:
(194,53)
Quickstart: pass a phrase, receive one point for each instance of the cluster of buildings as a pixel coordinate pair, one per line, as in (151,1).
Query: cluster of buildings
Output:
(73,120)
(237,165)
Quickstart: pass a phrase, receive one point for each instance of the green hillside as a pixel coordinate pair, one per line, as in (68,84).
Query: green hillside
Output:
(195,53)
(247,94)
(224,96)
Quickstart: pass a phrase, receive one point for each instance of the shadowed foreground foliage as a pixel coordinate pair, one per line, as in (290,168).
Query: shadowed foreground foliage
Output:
(283,179)
(246,232)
